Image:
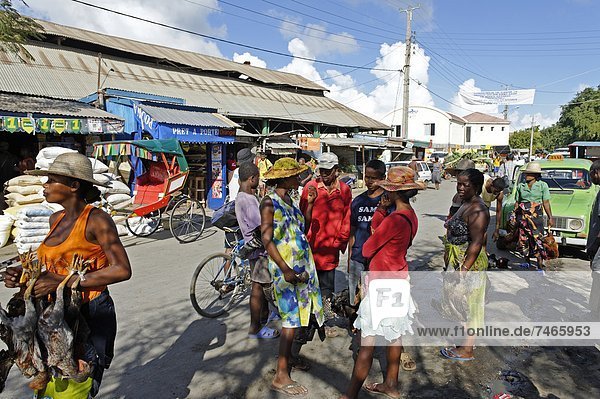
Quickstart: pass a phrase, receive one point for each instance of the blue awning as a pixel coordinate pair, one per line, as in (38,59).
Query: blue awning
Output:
(185,125)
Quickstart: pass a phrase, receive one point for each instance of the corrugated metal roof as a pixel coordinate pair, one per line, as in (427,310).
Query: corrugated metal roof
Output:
(22,103)
(189,118)
(357,142)
(585,144)
(200,61)
(60,72)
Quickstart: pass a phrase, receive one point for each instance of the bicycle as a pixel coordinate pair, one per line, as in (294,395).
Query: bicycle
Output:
(220,279)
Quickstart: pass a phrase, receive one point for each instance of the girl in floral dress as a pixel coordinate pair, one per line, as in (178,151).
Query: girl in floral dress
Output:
(295,282)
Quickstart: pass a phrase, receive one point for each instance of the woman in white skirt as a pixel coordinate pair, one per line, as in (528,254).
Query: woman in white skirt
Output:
(386,249)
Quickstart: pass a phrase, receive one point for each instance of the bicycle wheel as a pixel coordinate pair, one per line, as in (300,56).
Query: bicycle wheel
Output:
(214,285)
(143,226)
(187,220)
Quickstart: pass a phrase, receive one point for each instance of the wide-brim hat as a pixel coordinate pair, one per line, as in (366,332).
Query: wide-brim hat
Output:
(533,168)
(400,178)
(73,165)
(284,167)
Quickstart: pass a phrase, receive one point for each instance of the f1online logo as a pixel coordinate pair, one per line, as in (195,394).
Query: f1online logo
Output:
(388,298)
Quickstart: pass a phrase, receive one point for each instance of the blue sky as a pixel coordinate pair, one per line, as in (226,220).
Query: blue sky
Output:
(550,45)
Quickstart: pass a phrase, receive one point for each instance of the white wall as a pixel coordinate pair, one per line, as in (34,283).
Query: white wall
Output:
(488,134)
(446,132)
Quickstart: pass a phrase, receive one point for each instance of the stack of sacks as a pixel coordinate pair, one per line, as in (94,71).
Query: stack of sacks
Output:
(47,155)
(24,190)
(32,224)
(6,223)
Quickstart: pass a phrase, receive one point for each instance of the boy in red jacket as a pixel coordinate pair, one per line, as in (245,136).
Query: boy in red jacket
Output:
(330,227)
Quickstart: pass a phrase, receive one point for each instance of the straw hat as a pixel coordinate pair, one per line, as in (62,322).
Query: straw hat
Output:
(284,167)
(73,165)
(400,178)
(533,168)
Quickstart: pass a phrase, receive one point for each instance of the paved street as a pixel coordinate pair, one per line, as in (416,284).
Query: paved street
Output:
(165,350)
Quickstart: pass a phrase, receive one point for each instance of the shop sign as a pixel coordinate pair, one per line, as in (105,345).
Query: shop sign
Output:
(145,119)
(227,132)
(28,125)
(309,143)
(59,125)
(94,125)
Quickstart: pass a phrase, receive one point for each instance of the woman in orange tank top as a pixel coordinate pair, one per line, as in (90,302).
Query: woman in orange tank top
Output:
(90,233)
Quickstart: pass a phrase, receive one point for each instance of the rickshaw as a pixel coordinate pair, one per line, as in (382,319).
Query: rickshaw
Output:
(158,190)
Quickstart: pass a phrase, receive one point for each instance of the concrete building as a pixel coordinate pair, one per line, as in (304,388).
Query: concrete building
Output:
(444,130)
(482,129)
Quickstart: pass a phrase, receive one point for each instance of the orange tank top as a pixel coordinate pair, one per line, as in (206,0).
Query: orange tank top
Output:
(58,258)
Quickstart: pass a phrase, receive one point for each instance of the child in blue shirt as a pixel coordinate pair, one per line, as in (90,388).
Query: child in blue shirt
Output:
(361,212)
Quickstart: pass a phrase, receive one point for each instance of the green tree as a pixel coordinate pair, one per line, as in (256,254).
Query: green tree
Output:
(556,136)
(16,29)
(582,115)
(521,138)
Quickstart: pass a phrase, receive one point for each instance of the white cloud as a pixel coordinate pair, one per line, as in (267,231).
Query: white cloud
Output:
(380,102)
(316,39)
(254,60)
(185,15)
(460,107)
(520,120)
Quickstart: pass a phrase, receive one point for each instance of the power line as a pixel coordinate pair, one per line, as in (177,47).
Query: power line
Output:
(362,23)
(326,21)
(285,29)
(228,41)
(287,21)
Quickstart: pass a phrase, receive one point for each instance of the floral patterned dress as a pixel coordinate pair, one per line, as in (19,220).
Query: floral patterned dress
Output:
(297,302)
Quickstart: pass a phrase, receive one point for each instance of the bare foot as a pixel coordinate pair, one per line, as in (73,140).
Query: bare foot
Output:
(382,388)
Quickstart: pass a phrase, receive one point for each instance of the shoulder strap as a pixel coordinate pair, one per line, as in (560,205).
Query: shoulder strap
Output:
(411,229)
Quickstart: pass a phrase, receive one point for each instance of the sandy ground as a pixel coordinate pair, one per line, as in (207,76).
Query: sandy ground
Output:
(165,350)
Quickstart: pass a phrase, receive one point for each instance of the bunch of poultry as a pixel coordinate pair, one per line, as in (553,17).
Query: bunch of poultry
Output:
(43,341)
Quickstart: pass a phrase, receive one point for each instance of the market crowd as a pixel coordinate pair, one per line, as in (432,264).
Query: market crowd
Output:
(303,219)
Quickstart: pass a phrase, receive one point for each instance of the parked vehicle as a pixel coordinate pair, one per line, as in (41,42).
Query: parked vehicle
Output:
(423,170)
(572,196)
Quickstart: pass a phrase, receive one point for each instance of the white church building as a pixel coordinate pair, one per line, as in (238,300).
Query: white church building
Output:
(444,130)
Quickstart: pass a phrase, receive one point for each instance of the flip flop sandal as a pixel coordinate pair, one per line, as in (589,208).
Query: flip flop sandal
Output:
(265,333)
(371,389)
(407,362)
(286,390)
(449,353)
(273,316)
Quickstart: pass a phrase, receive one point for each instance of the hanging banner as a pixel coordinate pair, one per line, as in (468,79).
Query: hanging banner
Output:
(502,97)
(28,125)
(10,124)
(74,126)
(59,125)
(44,125)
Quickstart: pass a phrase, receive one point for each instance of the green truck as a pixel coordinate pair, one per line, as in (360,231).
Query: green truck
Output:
(572,196)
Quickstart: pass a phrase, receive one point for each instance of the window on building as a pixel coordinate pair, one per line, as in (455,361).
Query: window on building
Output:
(398,132)
(468,135)
(502,128)
(430,129)
(492,128)
(481,129)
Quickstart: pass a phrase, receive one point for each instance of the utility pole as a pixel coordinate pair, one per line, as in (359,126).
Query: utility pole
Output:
(406,69)
(100,96)
(531,139)
(505,111)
